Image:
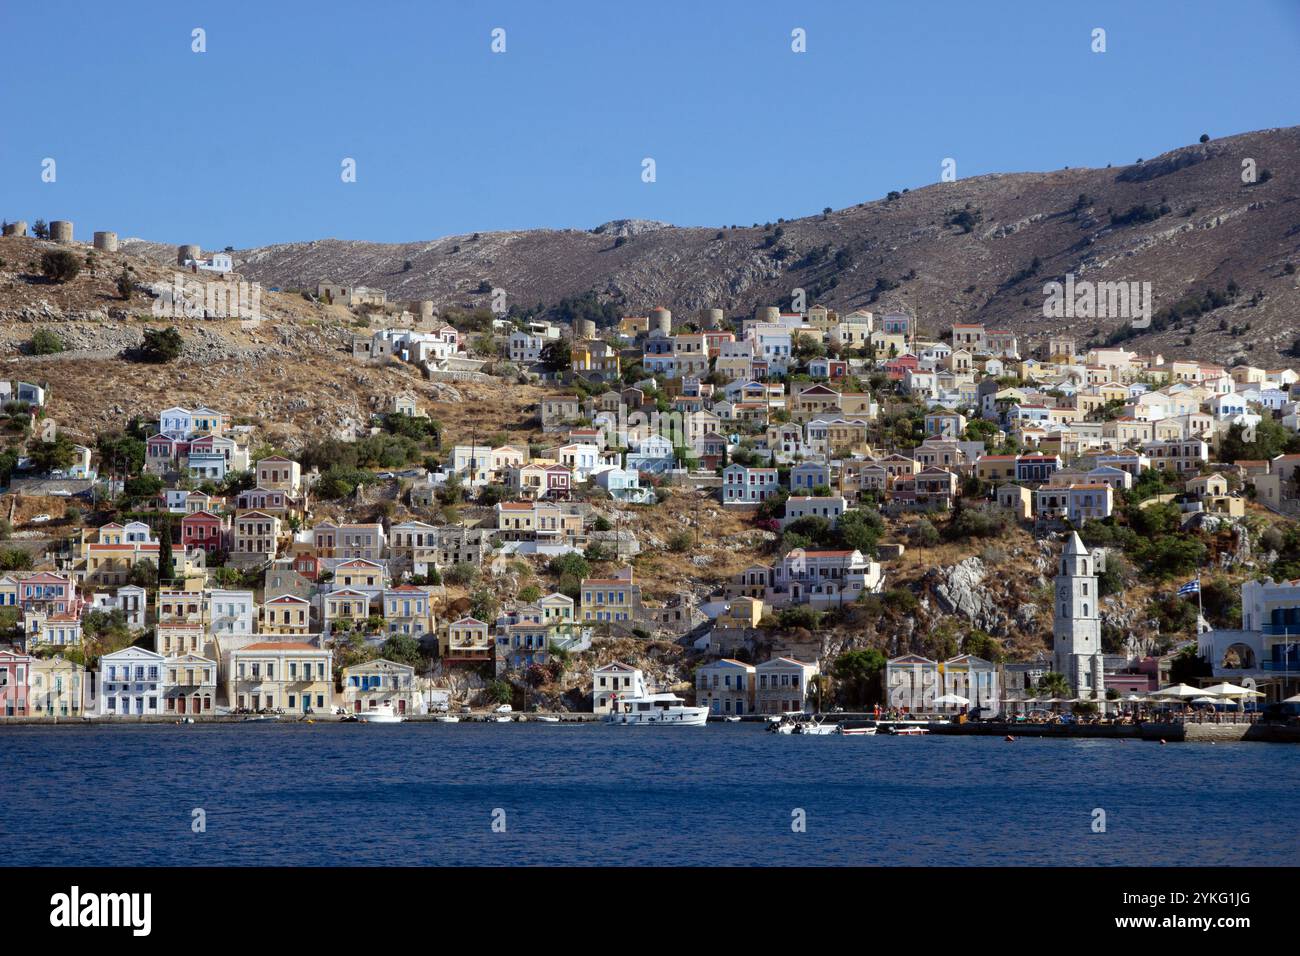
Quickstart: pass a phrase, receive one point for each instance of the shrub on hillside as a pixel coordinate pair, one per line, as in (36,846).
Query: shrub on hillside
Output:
(46,342)
(60,265)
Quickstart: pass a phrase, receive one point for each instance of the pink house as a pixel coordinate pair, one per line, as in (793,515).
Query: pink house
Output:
(203,530)
(15,669)
(48,592)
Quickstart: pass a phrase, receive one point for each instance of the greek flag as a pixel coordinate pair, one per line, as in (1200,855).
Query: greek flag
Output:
(1191,587)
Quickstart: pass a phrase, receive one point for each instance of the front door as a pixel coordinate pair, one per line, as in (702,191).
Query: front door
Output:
(401,706)
(180,705)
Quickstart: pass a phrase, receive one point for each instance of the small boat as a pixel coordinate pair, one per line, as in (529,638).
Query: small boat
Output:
(732,719)
(258,718)
(907,731)
(502,720)
(815,726)
(547,720)
(383,714)
(657,709)
(447,719)
(856,731)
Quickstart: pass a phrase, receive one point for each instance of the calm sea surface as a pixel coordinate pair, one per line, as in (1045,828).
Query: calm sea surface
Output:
(426,794)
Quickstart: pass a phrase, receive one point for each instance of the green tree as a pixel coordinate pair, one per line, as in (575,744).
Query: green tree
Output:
(142,486)
(60,265)
(166,564)
(571,564)
(402,648)
(57,455)
(15,559)
(161,345)
(555,356)
(859,673)
(1053,684)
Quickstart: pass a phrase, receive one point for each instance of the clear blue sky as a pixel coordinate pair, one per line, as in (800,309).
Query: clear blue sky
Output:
(242,145)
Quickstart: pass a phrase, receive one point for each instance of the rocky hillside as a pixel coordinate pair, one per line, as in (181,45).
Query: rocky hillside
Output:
(292,373)
(1184,221)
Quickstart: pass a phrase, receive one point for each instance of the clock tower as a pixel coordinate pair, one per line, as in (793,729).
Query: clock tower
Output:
(1076,625)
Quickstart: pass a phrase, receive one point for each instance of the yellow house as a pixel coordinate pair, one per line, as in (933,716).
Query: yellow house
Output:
(1018,500)
(611,599)
(281,675)
(55,687)
(361,573)
(467,640)
(345,607)
(743,613)
(286,614)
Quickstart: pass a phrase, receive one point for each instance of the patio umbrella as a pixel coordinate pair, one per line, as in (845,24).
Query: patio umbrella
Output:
(1179,692)
(1231,690)
(1292,700)
(1208,700)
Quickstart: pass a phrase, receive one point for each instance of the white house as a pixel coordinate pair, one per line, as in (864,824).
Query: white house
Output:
(830,508)
(615,681)
(746,486)
(231,613)
(131,683)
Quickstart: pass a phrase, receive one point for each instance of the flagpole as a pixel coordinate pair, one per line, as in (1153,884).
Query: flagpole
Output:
(1200,606)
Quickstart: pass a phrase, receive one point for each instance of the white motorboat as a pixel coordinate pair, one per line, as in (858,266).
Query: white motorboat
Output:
(547,720)
(657,709)
(815,727)
(383,714)
(733,719)
(447,719)
(857,731)
(502,720)
(787,723)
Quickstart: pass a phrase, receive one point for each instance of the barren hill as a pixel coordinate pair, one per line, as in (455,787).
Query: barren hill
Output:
(1192,226)
(291,373)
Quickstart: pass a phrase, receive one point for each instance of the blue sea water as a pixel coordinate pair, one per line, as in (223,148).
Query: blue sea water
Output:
(428,794)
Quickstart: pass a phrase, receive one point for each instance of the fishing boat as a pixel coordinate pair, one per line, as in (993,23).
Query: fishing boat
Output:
(732,719)
(447,719)
(502,720)
(547,720)
(657,709)
(383,714)
(258,718)
(856,731)
(905,731)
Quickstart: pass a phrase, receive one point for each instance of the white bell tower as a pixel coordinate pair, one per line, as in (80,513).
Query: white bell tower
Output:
(1076,626)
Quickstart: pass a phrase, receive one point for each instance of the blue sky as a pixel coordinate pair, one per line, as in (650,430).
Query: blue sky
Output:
(242,145)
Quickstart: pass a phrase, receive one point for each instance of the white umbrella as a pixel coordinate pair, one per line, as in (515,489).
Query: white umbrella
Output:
(1207,700)
(952,699)
(1179,692)
(1231,690)
(1292,700)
